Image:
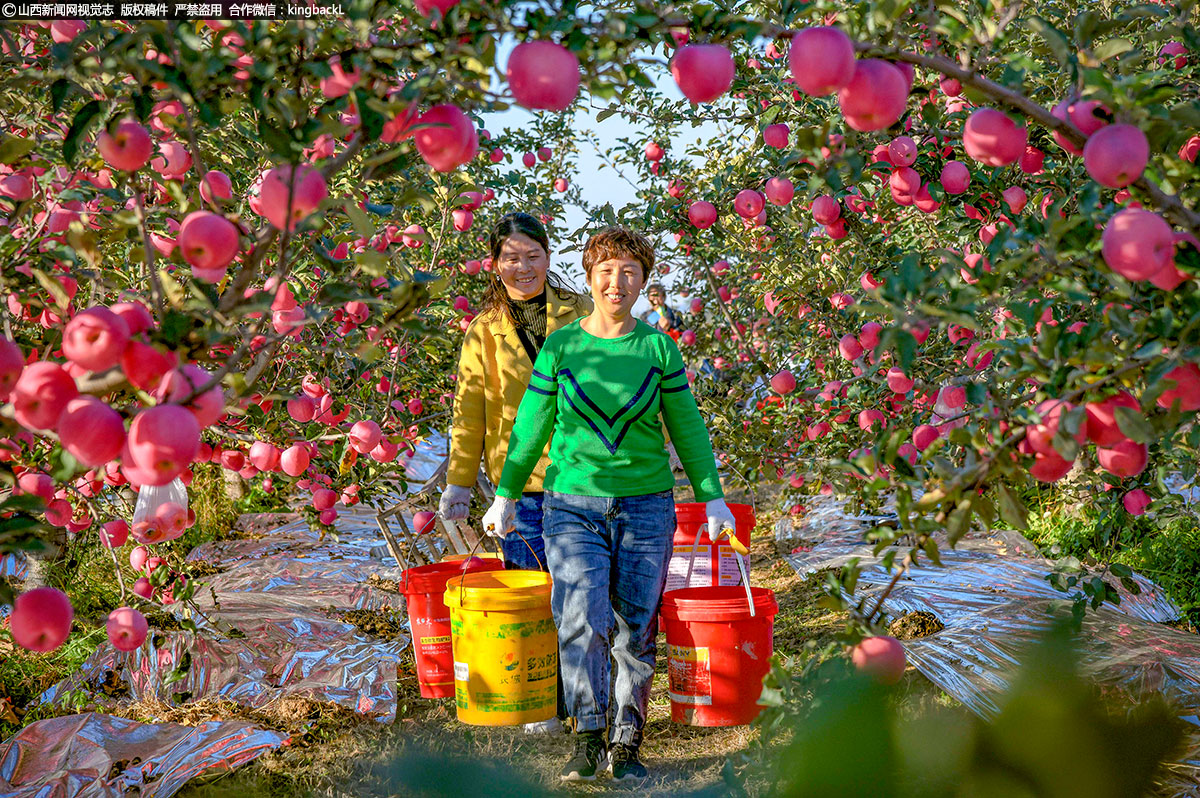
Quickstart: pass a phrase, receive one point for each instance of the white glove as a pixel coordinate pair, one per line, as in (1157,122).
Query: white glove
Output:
(720,518)
(500,517)
(455,503)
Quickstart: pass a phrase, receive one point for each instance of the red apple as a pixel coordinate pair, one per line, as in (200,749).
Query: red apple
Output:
(875,98)
(1102,428)
(162,442)
(299,190)
(543,75)
(143,588)
(779,190)
(1136,501)
(702,214)
(91,431)
(902,151)
(126,628)
(703,72)
(127,148)
(40,395)
(955,177)
(1125,458)
(1116,155)
(323,499)
(423,522)
(364,436)
(992,138)
(294,460)
(783,382)
(880,657)
(208,242)
(825,209)
(924,436)
(748,203)
(215,185)
(776,135)
(1186,391)
(899,382)
(821,60)
(114,533)
(1137,244)
(12,363)
(41,619)
(95,339)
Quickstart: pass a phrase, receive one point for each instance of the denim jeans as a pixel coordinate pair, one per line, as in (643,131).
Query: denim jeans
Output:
(608,558)
(527,525)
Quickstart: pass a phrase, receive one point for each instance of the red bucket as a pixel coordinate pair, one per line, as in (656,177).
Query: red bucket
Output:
(717,654)
(713,565)
(429,621)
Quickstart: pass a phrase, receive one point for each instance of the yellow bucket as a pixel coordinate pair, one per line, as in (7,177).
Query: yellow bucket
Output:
(505,647)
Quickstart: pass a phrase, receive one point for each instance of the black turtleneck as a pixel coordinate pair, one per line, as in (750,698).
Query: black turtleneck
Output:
(529,317)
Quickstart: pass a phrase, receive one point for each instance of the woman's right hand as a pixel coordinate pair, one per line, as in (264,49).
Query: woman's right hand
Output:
(455,504)
(500,517)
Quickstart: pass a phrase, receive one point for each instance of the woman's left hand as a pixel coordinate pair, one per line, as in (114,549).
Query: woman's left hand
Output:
(720,518)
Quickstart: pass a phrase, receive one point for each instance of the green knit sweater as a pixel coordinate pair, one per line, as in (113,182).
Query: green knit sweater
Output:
(598,400)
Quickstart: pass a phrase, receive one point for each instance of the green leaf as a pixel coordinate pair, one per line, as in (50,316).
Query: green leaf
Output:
(606,113)
(1011,508)
(1112,47)
(1053,37)
(53,287)
(1134,425)
(959,522)
(1149,351)
(13,148)
(79,126)
(359,219)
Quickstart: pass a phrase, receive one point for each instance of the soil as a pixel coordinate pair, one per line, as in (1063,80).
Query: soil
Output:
(385,623)
(913,625)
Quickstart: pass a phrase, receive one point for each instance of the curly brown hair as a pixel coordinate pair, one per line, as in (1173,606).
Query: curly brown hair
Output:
(495,295)
(618,242)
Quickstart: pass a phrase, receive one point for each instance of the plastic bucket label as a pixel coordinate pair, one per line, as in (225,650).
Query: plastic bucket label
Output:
(677,568)
(728,573)
(690,675)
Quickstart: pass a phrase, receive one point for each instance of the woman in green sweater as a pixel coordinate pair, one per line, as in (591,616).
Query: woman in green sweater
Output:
(602,389)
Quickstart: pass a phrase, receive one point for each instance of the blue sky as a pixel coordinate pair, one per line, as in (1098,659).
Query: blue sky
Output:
(599,182)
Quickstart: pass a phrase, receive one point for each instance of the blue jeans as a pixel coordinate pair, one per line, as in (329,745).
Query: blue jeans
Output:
(608,558)
(527,525)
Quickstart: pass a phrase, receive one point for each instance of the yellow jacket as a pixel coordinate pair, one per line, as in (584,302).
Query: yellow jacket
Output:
(493,372)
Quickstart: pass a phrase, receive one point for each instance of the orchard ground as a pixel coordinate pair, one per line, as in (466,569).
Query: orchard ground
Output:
(334,748)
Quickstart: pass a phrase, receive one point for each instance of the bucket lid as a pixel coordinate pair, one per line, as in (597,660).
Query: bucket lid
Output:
(693,513)
(717,603)
(499,590)
(432,578)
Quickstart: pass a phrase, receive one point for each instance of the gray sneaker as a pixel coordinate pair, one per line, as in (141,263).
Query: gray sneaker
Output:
(624,763)
(588,758)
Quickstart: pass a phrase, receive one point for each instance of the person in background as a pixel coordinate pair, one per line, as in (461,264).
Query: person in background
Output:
(661,315)
(523,303)
(602,390)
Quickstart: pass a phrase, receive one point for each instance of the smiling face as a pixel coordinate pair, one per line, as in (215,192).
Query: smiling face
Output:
(615,285)
(522,266)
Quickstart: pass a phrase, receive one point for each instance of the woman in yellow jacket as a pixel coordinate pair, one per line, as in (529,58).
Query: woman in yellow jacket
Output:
(523,304)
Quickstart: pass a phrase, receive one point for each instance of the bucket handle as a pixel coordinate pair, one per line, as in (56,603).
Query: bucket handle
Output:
(471,553)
